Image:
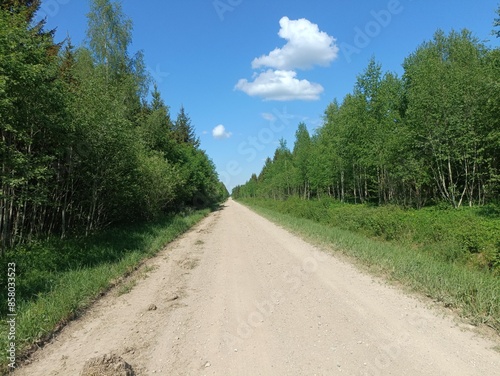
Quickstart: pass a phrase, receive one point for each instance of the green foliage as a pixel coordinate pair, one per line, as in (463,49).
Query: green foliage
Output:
(183,131)
(28,7)
(109,34)
(31,123)
(301,155)
(81,147)
(446,94)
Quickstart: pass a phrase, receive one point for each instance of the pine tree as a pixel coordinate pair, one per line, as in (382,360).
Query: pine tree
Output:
(157,127)
(184,131)
(29,7)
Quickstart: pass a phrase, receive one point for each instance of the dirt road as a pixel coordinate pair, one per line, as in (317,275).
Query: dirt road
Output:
(238,295)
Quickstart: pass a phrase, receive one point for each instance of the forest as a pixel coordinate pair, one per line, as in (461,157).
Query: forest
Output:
(430,137)
(84,143)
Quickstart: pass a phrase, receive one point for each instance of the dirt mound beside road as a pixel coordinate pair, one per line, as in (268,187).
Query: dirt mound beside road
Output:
(107,365)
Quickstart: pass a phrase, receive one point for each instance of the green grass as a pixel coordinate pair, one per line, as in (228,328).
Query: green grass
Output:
(473,292)
(57,280)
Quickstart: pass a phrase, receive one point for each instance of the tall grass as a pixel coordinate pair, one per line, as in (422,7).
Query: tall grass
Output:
(473,292)
(56,280)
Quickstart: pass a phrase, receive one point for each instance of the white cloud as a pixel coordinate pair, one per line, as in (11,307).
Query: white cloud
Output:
(219,132)
(280,85)
(307,46)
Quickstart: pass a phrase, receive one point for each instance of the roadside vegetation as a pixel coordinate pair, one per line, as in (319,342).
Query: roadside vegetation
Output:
(94,172)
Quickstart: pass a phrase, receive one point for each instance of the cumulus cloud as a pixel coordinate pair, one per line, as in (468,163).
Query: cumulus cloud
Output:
(280,85)
(306,46)
(219,132)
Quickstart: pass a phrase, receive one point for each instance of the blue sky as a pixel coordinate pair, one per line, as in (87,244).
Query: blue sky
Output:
(248,71)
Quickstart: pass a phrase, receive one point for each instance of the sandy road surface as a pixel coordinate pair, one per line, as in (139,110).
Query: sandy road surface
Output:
(238,295)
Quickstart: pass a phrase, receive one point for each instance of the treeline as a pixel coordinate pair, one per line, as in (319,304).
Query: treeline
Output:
(432,135)
(81,147)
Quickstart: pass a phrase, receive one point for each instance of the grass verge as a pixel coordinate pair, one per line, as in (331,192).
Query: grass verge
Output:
(473,294)
(57,280)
